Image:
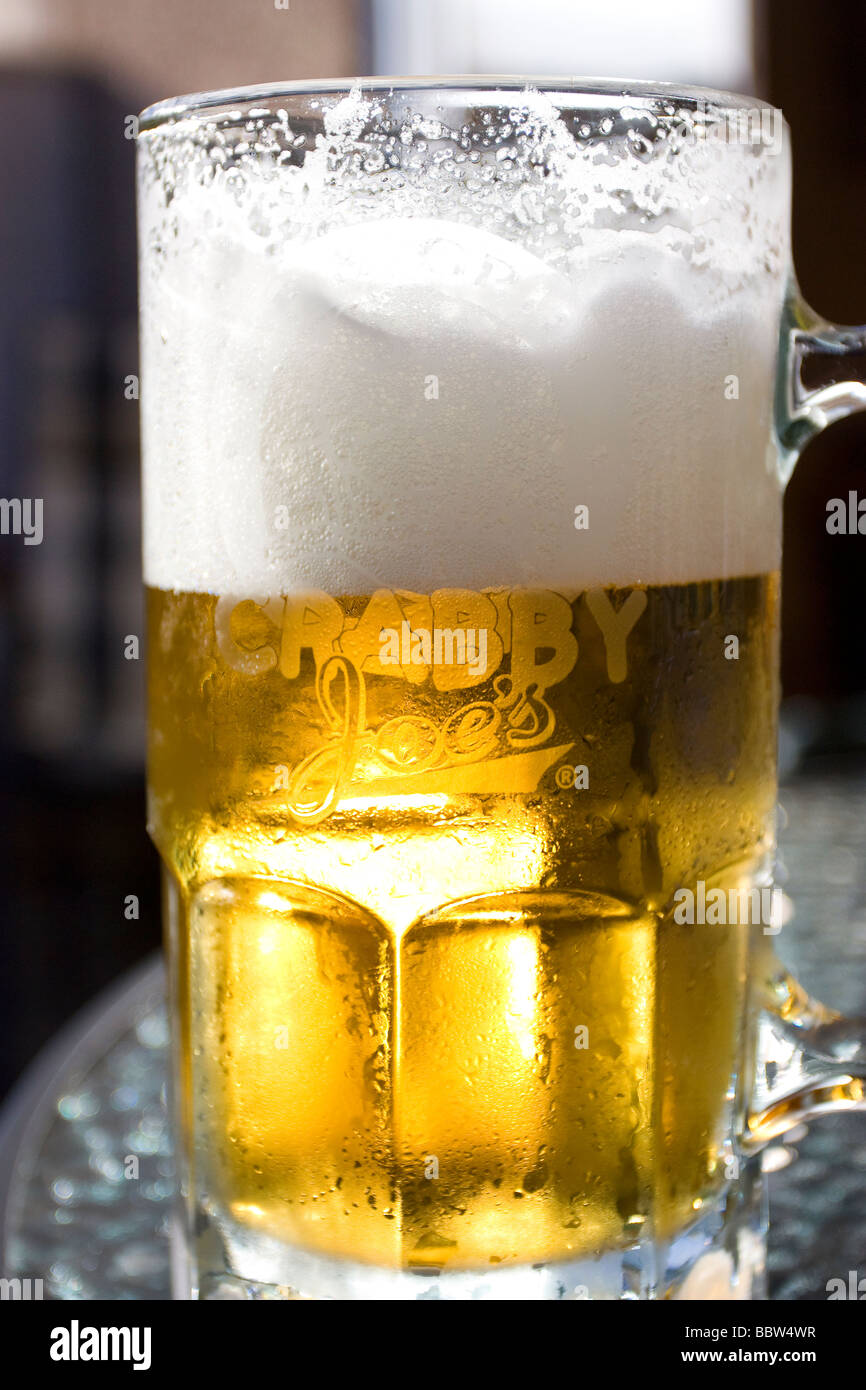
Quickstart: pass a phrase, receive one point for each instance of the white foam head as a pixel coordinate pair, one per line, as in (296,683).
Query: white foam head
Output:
(356,377)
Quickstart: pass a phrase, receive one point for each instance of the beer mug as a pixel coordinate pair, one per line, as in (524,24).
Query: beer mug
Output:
(467,411)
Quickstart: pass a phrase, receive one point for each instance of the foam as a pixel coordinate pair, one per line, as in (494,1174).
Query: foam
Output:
(414,387)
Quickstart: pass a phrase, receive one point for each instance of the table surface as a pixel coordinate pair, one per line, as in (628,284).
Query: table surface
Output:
(75,1213)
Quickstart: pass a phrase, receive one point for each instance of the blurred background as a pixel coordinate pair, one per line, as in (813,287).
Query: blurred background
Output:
(71,709)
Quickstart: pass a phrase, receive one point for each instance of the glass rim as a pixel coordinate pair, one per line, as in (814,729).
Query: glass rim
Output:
(199,104)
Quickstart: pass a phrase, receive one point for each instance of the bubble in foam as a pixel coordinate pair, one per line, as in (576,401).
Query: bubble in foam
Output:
(404,276)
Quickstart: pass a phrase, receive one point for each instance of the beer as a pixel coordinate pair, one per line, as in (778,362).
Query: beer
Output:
(437,1010)
(462,530)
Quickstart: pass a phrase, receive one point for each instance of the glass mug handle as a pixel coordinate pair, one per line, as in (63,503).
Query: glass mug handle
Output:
(811,1060)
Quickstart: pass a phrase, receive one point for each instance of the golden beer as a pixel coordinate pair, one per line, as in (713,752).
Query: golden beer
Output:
(435,1011)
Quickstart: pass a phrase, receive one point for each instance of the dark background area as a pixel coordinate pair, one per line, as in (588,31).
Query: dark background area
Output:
(74,847)
(810,61)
